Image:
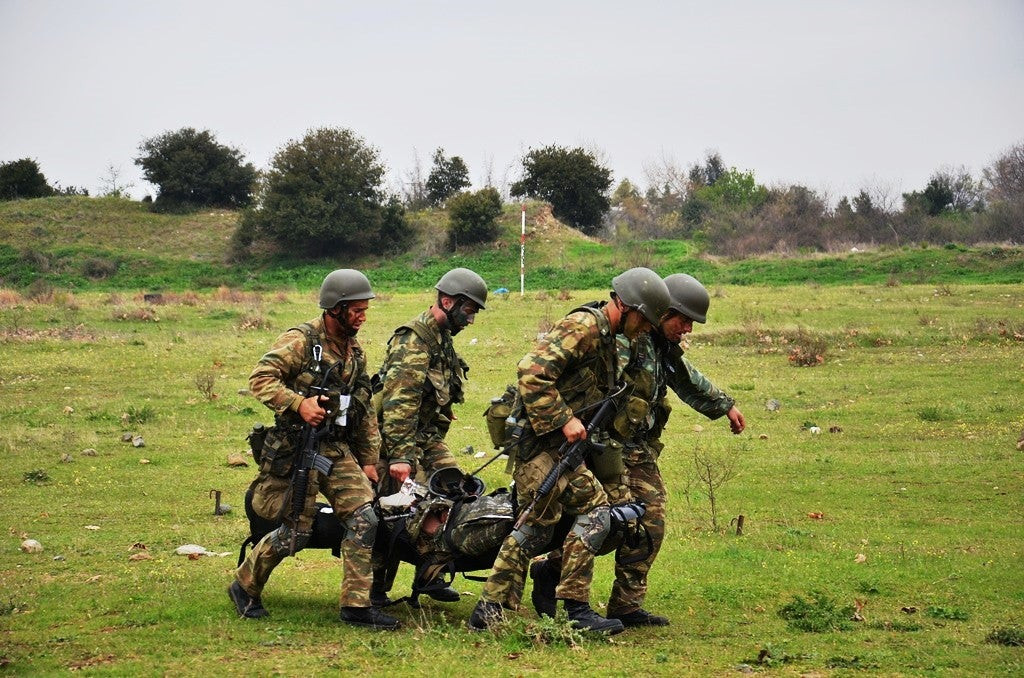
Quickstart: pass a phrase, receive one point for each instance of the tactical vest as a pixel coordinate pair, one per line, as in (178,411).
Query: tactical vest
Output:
(445,369)
(357,385)
(586,381)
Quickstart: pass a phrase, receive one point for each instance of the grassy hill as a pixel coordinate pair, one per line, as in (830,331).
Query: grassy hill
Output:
(108,244)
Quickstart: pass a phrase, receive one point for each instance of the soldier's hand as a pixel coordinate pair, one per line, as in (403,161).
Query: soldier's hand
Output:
(736,421)
(399,472)
(311,411)
(574,430)
(371,472)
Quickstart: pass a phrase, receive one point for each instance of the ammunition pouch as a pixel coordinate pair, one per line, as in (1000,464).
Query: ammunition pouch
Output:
(277,456)
(256,438)
(631,418)
(503,415)
(607,464)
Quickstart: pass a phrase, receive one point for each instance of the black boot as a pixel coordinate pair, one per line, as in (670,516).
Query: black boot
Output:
(248,606)
(379,588)
(640,617)
(485,615)
(583,617)
(445,595)
(370,617)
(545,580)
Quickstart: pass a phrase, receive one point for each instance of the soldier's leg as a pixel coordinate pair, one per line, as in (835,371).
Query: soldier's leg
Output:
(585,497)
(507,580)
(630,587)
(351,496)
(252,575)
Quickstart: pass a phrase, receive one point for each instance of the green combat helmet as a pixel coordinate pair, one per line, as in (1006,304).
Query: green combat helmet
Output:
(463,282)
(342,286)
(689,297)
(643,289)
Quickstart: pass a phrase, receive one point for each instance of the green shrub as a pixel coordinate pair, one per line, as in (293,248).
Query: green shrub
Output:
(473,217)
(817,615)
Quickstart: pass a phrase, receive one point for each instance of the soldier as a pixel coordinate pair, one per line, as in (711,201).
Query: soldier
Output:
(300,358)
(571,369)
(421,379)
(657,364)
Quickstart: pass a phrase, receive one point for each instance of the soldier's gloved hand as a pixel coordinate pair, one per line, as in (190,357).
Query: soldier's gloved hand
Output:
(311,411)
(574,430)
(399,472)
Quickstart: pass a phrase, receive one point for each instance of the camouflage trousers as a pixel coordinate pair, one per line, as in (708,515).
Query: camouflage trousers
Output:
(347,489)
(577,492)
(642,482)
(630,588)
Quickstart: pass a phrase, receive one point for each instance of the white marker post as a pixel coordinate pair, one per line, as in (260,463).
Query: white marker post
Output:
(522,255)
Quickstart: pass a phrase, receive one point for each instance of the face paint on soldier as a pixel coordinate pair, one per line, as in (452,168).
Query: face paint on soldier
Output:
(355,316)
(461,312)
(675,325)
(634,324)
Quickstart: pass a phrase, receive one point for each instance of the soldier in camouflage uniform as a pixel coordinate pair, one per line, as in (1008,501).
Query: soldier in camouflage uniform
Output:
(300,358)
(572,369)
(657,364)
(420,380)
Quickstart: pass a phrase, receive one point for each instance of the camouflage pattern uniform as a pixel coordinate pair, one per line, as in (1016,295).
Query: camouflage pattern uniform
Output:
(422,378)
(571,368)
(280,381)
(656,366)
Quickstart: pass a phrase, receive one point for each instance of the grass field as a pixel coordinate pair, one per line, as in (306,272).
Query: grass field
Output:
(919,490)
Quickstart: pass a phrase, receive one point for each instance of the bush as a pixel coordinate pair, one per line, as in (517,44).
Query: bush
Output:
(190,169)
(323,195)
(447,177)
(472,217)
(23,179)
(571,180)
(98,268)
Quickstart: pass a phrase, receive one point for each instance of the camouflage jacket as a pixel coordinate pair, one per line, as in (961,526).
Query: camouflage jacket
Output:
(283,375)
(571,368)
(652,367)
(421,378)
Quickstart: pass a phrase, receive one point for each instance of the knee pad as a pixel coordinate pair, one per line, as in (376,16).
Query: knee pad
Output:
(281,538)
(361,526)
(532,539)
(593,527)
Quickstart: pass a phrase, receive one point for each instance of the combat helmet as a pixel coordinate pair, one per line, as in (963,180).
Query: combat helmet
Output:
(463,282)
(643,289)
(689,296)
(342,286)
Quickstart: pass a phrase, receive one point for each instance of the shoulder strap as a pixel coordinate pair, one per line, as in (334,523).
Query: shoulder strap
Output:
(607,338)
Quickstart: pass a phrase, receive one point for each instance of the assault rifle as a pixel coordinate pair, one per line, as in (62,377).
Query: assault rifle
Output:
(309,457)
(571,455)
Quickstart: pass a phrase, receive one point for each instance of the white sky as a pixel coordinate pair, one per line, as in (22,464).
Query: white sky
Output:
(835,95)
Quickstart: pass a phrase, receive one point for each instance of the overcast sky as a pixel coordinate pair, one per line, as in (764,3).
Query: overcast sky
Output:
(833,95)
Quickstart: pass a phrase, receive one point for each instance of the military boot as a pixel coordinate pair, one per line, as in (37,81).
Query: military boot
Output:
(583,617)
(369,617)
(545,580)
(445,595)
(485,615)
(248,606)
(639,617)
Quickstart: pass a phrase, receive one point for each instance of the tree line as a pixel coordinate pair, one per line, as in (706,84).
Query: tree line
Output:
(324,194)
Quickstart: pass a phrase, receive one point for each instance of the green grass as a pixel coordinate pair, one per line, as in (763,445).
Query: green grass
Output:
(933,503)
(108,244)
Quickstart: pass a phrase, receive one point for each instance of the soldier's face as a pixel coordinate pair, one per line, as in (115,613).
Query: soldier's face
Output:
(635,324)
(355,315)
(675,326)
